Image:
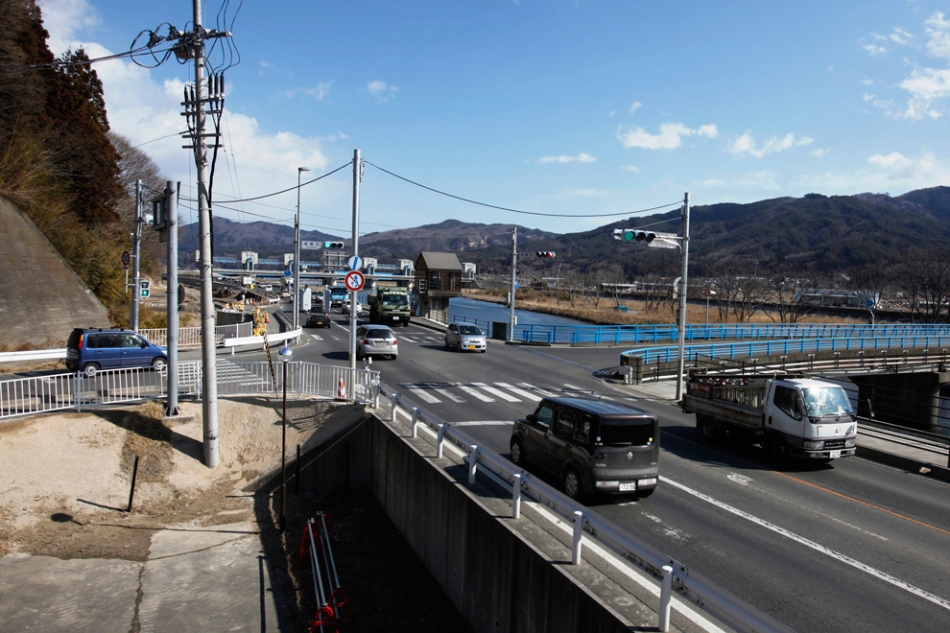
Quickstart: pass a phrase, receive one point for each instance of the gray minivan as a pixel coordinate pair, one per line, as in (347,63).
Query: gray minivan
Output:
(592,446)
(89,350)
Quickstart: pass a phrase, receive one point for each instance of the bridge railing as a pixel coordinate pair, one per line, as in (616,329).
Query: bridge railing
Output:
(674,575)
(657,333)
(58,392)
(732,351)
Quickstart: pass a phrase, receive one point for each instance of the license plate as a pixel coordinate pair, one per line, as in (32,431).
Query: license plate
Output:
(834,454)
(628,486)
(471,347)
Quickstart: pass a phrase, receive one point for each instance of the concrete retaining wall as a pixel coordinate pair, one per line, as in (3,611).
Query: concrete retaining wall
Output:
(496,578)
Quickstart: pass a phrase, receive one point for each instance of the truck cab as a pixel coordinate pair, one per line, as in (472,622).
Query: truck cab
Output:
(814,417)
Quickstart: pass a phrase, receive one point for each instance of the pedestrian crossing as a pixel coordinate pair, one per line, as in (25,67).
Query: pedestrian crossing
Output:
(458,393)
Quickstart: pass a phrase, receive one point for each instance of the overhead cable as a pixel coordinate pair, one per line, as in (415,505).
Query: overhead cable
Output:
(492,206)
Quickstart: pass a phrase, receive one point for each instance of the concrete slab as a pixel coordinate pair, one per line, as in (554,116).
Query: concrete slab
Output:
(207,579)
(92,595)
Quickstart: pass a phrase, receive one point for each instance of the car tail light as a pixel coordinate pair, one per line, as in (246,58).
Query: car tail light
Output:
(395,342)
(82,337)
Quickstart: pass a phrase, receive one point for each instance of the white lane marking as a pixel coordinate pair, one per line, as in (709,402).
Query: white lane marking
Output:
(546,394)
(853,527)
(520,392)
(573,388)
(647,583)
(484,423)
(742,480)
(897,582)
(422,393)
(317,337)
(445,392)
(408,338)
(474,393)
(495,392)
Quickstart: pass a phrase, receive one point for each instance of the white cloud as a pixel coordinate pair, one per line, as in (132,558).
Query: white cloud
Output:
(564,158)
(63,18)
(635,106)
(874,50)
(670,136)
(382,91)
(900,167)
(902,37)
(938,30)
(632,168)
(818,153)
(746,144)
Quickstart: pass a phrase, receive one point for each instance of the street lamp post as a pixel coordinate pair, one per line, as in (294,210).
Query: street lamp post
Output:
(296,296)
(285,355)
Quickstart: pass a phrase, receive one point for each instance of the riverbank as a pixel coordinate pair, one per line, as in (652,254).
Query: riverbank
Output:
(604,311)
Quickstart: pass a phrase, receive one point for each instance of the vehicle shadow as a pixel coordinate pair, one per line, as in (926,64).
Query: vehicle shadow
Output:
(737,452)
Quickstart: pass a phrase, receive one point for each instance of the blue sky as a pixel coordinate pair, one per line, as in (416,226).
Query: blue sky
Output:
(554,107)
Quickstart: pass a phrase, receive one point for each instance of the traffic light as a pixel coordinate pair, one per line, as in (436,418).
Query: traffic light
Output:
(548,254)
(631,235)
(333,245)
(145,286)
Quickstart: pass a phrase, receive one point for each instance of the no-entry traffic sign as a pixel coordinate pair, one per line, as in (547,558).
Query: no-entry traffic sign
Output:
(354,280)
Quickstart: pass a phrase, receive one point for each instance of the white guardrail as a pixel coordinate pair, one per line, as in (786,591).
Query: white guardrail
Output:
(673,575)
(58,392)
(187,337)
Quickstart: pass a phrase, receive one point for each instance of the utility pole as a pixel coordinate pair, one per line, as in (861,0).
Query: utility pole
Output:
(682,320)
(296,295)
(357,172)
(171,295)
(514,276)
(136,254)
(209,374)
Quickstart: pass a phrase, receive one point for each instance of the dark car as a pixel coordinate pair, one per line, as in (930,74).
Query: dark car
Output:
(88,350)
(591,446)
(318,317)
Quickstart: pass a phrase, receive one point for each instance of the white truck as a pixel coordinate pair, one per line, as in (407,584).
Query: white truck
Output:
(792,417)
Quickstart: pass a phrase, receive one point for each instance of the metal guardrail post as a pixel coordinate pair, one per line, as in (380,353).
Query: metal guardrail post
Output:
(439,438)
(472,461)
(666,596)
(394,402)
(415,422)
(78,394)
(578,543)
(516,497)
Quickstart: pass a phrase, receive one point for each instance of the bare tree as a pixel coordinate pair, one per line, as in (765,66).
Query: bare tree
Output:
(925,279)
(788,289)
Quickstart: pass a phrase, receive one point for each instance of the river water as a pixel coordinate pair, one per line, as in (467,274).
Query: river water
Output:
(482,312)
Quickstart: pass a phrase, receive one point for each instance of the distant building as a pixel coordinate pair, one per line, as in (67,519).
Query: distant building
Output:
(438,278)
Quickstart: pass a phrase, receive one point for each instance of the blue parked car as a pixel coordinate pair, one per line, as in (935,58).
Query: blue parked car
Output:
(89,350)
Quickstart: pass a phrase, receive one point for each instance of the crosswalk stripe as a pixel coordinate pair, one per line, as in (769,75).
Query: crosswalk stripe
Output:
(448,394)
(422,393)
(520,392)
(546,394)
(495,392)
(474,393)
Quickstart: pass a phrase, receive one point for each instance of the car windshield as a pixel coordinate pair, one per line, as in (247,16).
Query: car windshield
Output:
(626,432)
(822,401)
(471,330)
(395,301)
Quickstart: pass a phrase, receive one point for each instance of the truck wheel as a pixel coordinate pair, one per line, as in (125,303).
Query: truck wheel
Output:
(778,451)
(709,429)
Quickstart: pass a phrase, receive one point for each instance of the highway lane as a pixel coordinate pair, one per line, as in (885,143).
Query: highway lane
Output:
(852,546)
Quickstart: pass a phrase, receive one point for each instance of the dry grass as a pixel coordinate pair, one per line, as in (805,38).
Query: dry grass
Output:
(546,302)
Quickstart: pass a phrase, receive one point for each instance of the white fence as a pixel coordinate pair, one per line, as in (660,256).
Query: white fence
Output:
(674,576)
(191,336)
(57,392)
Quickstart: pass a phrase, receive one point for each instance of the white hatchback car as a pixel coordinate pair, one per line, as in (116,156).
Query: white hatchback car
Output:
(346,307)
(376,340)
(462,337)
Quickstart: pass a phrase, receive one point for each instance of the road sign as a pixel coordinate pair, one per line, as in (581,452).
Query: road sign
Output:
(126,258)
(310,245)
(870,304)
(354,262)
(286,273)
(705,292)
(354,280)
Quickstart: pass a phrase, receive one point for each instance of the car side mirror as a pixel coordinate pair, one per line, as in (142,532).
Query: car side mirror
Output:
(532,418)
(143,345)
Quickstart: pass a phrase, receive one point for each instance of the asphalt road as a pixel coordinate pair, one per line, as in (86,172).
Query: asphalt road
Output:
(854,546)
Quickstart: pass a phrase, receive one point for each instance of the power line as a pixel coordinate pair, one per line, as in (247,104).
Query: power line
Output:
(277,193)
(492,206)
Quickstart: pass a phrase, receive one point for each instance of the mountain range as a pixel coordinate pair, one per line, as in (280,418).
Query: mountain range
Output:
(830,233)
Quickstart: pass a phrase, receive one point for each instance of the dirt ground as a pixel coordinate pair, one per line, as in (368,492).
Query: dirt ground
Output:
(65,482)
